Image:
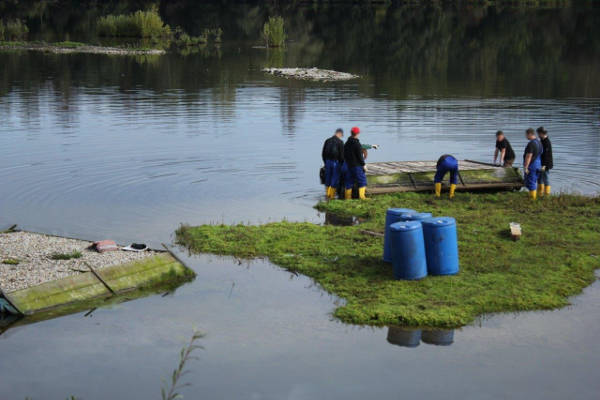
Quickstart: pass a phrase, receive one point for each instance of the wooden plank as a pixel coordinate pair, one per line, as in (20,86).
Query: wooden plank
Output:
(430,187)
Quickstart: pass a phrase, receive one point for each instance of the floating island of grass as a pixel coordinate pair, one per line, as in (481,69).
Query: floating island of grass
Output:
(555,258)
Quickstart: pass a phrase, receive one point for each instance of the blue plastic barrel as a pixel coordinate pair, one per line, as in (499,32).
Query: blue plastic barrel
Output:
(441,245)
(418,216)
(391,216)
(408,250)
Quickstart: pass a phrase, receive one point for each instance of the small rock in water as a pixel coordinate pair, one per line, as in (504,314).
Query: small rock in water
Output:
(311,74)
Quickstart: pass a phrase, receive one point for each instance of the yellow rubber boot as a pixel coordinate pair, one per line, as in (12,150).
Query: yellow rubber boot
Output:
(438,189)
(533,194)
(540,189)
(452,189)
(361,193)
(547,190)
(333,193)
(348,194)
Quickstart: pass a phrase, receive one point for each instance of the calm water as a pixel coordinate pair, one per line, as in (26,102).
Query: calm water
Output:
(127,148)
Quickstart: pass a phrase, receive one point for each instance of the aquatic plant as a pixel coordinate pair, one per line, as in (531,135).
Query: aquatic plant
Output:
(169,390)
(66,256)
(274,32)
(555,258)
(13,30)
(140,24)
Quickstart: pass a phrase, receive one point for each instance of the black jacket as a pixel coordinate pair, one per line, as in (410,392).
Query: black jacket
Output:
(547,160)
(333,149)
(353,154)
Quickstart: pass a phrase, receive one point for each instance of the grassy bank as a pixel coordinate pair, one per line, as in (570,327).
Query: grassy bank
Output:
(555,258)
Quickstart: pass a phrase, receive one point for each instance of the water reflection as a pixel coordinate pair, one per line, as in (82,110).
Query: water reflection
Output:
(411,337)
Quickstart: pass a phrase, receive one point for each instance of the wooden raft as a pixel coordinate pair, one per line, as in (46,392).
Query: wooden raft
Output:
(417,176)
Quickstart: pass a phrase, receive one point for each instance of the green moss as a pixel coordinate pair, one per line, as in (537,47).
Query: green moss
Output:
(79,290)
(555,258)
(66,256)
(11,261)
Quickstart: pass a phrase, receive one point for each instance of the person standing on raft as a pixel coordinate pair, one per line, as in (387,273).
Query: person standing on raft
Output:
(333,157)
(354,165)
(504,149)
(532,163)
(547,162)
(446,163)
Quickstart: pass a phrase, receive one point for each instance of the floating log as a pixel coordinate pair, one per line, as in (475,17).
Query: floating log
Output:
(417,176)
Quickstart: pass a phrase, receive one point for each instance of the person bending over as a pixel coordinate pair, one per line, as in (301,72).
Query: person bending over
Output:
(504,149)
(446,163)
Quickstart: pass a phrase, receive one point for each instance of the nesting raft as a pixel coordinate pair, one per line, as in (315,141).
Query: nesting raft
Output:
(93,285)
(417,176)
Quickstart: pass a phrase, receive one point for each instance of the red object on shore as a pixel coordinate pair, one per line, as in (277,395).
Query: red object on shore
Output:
(355,130)
(103,246)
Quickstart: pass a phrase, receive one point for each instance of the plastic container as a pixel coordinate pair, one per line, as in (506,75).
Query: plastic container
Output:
(418,216)
(438,337)
(392,215)
(404,337)
(408,250)
(441,245)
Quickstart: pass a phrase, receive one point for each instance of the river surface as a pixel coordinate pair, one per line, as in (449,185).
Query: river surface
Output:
(128,148)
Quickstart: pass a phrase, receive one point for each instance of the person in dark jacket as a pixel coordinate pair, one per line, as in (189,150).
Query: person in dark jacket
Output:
(547,162)
(504,150)
(445,164)
(532,162)
(354,165)
(333,157)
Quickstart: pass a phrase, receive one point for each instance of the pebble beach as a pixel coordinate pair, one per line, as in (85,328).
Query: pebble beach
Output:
(34,251)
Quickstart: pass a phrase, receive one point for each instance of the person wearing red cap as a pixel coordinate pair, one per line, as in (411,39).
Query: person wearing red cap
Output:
(354,165)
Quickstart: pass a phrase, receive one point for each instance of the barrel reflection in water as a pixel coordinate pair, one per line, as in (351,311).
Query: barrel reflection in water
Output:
(411,337)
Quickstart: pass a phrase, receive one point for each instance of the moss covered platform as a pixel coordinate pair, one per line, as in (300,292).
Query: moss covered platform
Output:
(555,258)
(79,291)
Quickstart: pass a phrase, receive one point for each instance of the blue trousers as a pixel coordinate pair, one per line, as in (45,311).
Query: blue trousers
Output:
(333,170)
(544,178)
(354,175)
(531,179)
(450,164)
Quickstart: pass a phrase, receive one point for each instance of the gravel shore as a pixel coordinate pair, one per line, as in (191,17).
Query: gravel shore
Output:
(50,48)
(34,252)
(310,74)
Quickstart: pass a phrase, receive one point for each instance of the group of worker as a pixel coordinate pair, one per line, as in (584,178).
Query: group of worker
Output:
(345,160)
(537,160)
(348,160)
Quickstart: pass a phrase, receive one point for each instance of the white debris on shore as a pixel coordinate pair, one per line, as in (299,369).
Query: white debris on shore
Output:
(34,252)
(57,49)
(311,74)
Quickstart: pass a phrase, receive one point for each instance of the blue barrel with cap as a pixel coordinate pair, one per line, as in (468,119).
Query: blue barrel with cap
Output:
(392,215)
(417,216)
(408,250)
(441,245)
